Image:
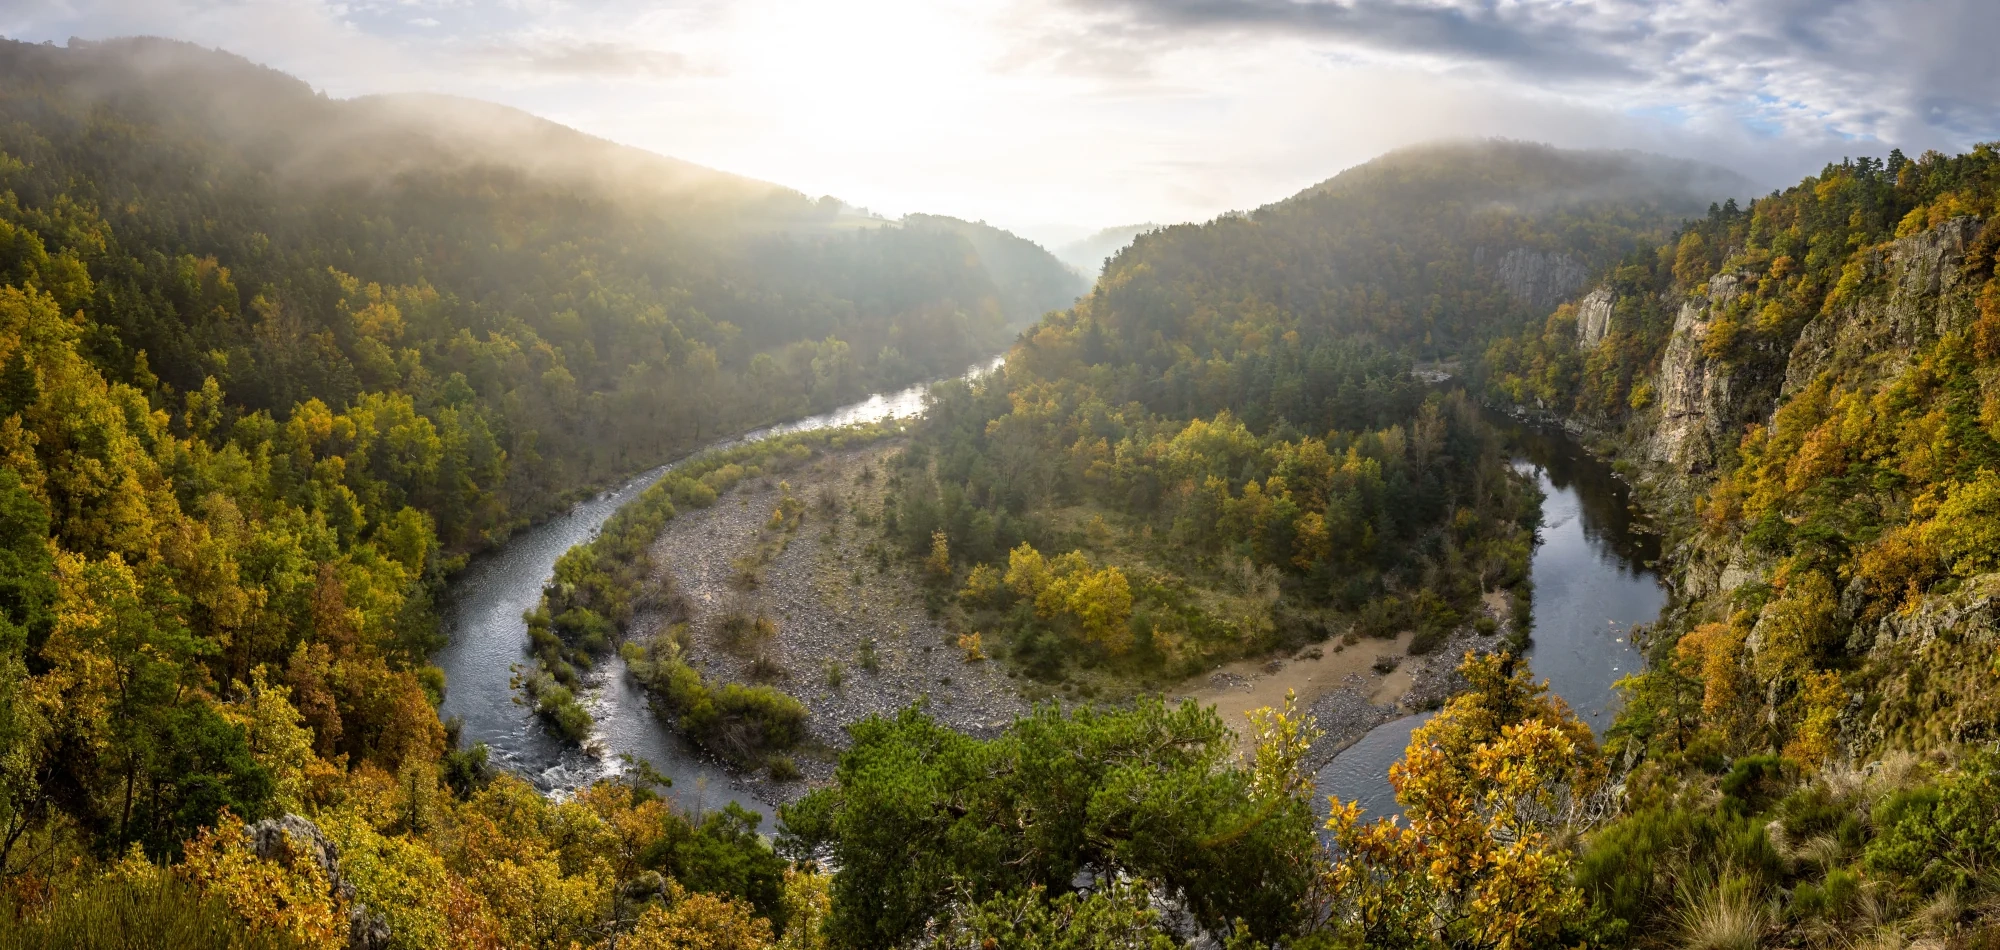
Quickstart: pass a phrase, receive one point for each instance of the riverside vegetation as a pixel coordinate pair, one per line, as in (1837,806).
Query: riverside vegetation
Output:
(251,421)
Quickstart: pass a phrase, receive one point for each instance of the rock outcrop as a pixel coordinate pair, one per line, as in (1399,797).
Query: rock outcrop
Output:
(1696,393)
(1593,318)
(1920,295)
(1539,279)
(1914,293)
(283,839)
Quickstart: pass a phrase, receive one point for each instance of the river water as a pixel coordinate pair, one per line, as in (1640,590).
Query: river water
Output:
(487,639)
(1592,581)
(1591,575)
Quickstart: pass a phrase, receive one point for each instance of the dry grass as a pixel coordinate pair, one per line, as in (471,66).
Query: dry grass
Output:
(1941,915)
(1721,918)
(1824,851)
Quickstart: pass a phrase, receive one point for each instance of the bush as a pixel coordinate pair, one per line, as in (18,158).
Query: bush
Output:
(557,707)
(1753,783)
(742,724)
(1936,837)
(1631,869)
(1828,899)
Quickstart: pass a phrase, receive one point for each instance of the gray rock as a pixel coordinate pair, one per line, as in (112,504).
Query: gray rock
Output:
(1593,318)
(1539,279)
(284,839)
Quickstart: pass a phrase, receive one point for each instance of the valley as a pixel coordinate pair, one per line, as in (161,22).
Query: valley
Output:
(425,526)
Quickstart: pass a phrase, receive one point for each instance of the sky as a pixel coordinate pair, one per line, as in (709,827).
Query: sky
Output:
(1058,117)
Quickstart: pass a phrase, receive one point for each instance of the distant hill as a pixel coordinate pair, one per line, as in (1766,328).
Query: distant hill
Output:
(1030,279)
(1088,254)
(688,298)
(1429,249)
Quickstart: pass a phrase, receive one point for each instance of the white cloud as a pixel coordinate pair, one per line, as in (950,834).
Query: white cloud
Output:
(1043,114)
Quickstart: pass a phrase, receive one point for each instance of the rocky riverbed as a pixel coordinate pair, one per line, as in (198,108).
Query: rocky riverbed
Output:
(1349,684)
(847,632)
(848,635)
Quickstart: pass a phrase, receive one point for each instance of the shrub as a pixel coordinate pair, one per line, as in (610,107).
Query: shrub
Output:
(558,707)
(1630,868)
(1937,837)
(742,724)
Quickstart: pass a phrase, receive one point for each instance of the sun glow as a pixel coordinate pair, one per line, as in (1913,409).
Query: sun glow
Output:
(849,74)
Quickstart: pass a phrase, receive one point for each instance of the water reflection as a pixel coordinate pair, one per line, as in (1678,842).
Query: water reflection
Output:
(1592,581)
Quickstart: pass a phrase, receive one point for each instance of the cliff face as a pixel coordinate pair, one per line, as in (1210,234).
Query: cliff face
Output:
(1540,279)
(1593,318)
(1911,294)
(1919,295)
(1696,393)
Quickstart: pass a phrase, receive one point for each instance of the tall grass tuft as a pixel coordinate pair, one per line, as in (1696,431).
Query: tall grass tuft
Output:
(1725,916)
(158,914)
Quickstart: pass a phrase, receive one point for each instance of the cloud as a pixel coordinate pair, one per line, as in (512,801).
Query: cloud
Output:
(599,59)
(1093,112)
(1904,70)
(1538,36)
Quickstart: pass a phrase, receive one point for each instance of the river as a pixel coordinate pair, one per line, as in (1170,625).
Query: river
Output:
(1591,573)
(487,638)
(1593,581)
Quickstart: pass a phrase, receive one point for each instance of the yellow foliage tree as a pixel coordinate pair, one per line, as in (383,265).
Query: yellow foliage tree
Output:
(698,922)
(290,895)
(808,900)
(1490,787)
(938,564)
(1099,601)
(1027,571)
(1102,602)
(278,739)
(982,584)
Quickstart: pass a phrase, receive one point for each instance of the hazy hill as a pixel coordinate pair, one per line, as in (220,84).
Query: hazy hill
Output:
(1030,279)
(618,267)
(1430,248)
(1088,254)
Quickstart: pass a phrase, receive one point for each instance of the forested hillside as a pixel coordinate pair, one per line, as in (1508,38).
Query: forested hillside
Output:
(274,364)
(1808,383)
(590,307)
(1223,449)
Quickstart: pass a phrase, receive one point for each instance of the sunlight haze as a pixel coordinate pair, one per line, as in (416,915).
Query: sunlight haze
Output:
(1059,118)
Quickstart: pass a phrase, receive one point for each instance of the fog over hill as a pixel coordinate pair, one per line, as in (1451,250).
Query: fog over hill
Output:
(1088,254)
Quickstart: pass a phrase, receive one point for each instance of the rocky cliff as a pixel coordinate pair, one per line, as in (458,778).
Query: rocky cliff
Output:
(1898,300)
(1539,279)
(1919,294)
(1593,317)
(1910,294)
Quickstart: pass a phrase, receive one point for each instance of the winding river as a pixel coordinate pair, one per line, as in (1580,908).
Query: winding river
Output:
(1593,581)
(487,638)
(1591,572)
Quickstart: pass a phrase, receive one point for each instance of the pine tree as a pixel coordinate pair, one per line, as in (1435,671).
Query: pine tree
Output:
(18,390)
